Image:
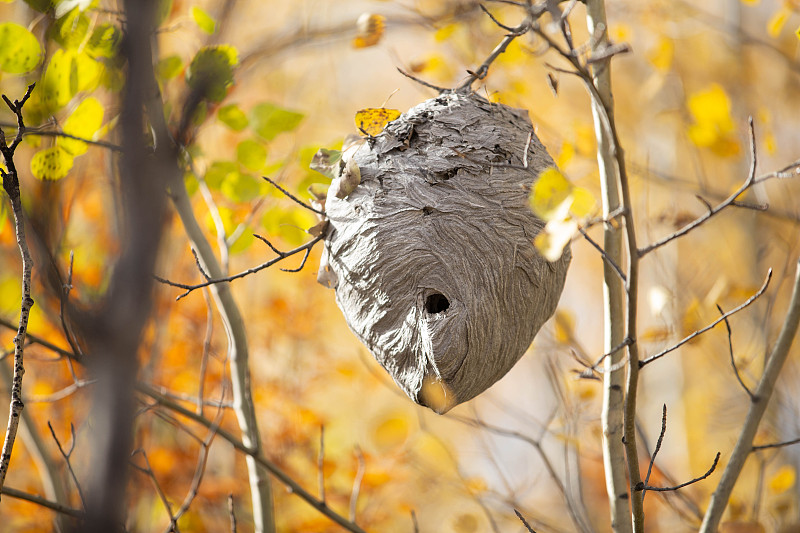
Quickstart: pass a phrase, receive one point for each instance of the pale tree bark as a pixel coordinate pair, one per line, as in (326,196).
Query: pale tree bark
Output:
(613,290)
(758,406)
(238,355)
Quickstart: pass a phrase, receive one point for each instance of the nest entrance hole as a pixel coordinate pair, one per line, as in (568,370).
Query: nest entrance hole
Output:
(436,303)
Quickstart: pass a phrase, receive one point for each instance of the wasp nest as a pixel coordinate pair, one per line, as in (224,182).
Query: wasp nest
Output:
(431,254)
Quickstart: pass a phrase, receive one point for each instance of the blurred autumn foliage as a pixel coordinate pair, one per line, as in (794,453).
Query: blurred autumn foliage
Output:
(274,81)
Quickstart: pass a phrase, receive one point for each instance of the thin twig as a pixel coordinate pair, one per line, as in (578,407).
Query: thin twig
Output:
(695,480)
(422,82)
(281,256)
(749,182)
(321,463)
(481,72)
(232,513)
(257,456)
(41,132)
(66,455)
(148,470)
(38,500)
(603,253)
(758,406)
(524,522)
(730,350)
(655,451)
(775,445)
(356,484)
(297,200)
(733,311)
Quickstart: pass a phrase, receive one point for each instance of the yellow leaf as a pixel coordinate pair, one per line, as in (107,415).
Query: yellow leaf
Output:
(783,479)
(777,21)
(476,485)
(444,32)
(797,32)
(712,106)
(554,238)
(620,32)
(391,431)
(713,127)
(566,155)
(583,202)
(565,326)
(661,56)
(372,120)
(466,523)
(370,30)
(551,196)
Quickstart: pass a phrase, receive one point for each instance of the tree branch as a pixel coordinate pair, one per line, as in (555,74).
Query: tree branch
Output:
(257,456)
(758,406)
(215,281)
(38,500)
(733,311)
(11,187)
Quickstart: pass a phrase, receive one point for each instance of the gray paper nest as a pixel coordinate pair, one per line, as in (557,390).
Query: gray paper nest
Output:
(432,254)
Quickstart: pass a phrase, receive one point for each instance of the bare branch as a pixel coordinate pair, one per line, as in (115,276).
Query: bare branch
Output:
(481,72)
(731,200)
(758,406)
(232,513)
(38,500)
(695,480)
(775,445)
(421,81)
(43,132)
(524,522)
(603,253)
(212,281)
(655,451)
(11,187)
(66,455)
(321,464)
(733,311)
(730,351)
(356,484)
(257,456)
(289,195)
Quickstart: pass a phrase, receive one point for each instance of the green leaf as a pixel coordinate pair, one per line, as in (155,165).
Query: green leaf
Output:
(57,87)
(42,6)
(251,154)
(89,72)
(203,20)
(104,41)
(233,117)
(169,67)
(20,52)
(211,71)
(290,224)
(240,187)
(217,172)
(230,224)
(70,30)
(269,120)
(163,10)
(51,164)
(83,122)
